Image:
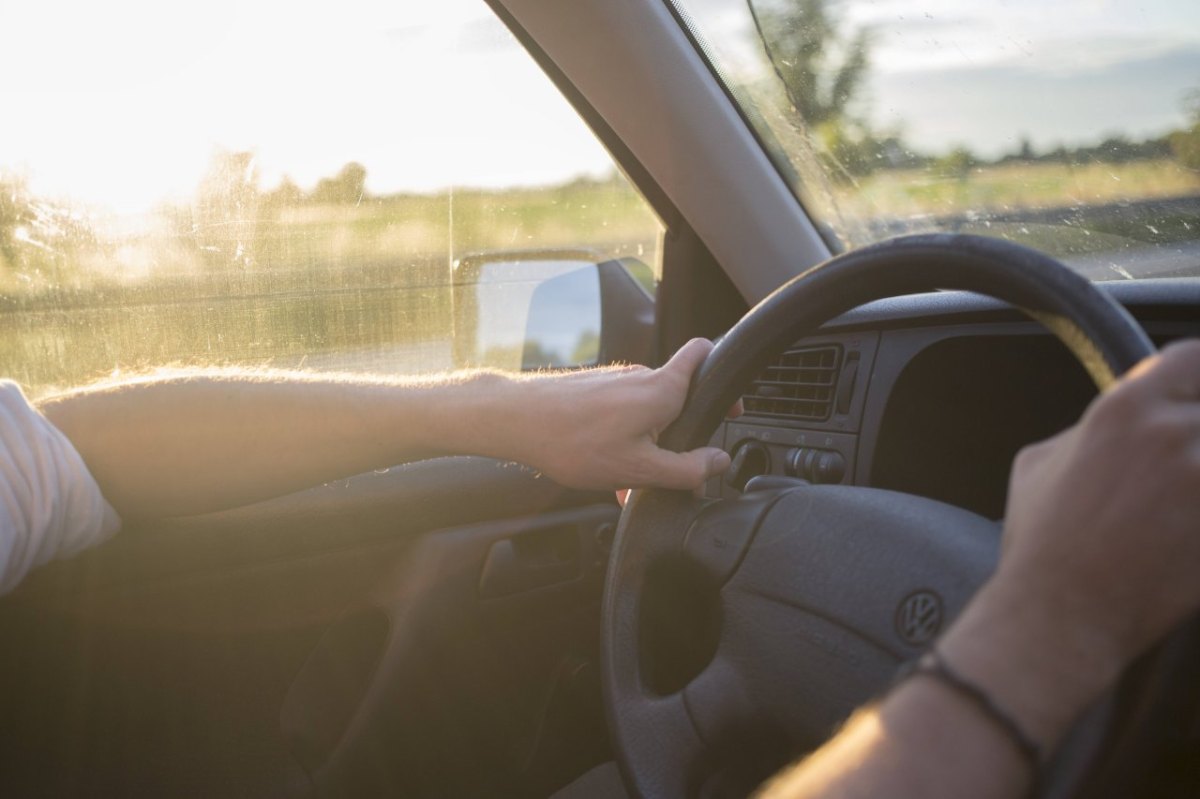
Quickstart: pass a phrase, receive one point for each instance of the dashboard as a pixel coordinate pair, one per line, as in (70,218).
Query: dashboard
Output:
(928,394)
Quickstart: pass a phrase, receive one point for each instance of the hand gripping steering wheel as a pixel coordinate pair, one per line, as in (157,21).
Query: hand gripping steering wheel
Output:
(738,633)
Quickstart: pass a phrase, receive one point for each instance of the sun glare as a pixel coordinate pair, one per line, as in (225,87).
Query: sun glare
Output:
(126,117)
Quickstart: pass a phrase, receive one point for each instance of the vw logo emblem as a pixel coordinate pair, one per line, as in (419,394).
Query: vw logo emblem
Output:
(919,618)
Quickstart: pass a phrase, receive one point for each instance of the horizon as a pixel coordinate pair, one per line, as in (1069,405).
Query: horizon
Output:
(156,109)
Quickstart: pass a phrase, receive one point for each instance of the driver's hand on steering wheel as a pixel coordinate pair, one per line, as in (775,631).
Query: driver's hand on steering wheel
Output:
(598,428)
(1101,543)
(1100,555)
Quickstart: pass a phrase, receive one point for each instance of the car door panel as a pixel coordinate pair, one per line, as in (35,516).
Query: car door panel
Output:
(162,660)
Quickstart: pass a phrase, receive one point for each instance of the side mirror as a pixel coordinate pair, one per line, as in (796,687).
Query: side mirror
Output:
(563,326)
(539,309)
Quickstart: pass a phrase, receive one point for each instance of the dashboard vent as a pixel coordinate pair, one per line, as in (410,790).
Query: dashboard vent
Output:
(798,385)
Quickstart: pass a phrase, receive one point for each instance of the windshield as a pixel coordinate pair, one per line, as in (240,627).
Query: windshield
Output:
(1073,127)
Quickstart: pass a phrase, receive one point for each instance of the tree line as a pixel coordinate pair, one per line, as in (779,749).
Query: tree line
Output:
(823,69)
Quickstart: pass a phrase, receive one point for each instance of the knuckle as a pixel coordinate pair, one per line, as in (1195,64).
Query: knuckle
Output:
(642,472)
(694,473)
(1185,349)
(1030,455)
(1118,407)
(1026,456)
(1160,428)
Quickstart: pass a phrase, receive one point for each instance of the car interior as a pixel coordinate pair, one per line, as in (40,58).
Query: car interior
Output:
(464,627)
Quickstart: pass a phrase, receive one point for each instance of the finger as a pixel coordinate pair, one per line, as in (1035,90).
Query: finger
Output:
(623,496)
(1173,373)
(687,470)
(737,410)
(688,359)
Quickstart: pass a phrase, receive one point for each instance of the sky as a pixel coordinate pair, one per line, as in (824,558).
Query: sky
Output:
(123,103)
(985,74)
(1069,71)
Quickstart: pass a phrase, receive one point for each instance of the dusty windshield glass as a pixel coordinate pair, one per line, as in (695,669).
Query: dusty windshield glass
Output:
(1073,126)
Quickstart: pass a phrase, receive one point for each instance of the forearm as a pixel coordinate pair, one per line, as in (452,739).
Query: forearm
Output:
(201,442)
(921,742)
(206,441)
(927,739)
(1099,561)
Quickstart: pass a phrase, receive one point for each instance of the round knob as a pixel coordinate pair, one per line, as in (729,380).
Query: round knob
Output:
(750,459)
(800,462)
(817,465)
(830,467)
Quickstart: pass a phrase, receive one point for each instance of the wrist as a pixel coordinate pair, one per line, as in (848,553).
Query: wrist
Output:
(1033,657)
(467,413)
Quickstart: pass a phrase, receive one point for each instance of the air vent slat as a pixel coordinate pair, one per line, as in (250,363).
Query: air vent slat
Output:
(799,385)
(821,383)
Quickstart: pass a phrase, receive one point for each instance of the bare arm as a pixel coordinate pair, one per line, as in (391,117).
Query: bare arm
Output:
(1100,556)
(201,442)
(927,740)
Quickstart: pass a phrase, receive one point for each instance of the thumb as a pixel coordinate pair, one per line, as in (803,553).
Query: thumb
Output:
(688,358)
(687,470)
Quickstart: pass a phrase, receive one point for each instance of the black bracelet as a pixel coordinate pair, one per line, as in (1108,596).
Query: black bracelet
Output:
(933,665)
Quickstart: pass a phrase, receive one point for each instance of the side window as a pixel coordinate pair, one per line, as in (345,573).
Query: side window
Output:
(252,184)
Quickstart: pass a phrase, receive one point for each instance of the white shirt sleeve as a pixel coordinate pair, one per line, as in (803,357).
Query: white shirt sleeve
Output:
(50,506)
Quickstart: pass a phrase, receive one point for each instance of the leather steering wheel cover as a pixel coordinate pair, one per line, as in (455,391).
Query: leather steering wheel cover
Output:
(1101,334)
(1077,312)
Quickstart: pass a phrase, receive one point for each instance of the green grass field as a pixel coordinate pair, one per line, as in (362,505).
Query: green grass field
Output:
(359,286)
(304,285)
(1015,185)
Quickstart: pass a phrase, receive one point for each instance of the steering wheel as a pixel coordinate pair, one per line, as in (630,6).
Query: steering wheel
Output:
(738,633)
